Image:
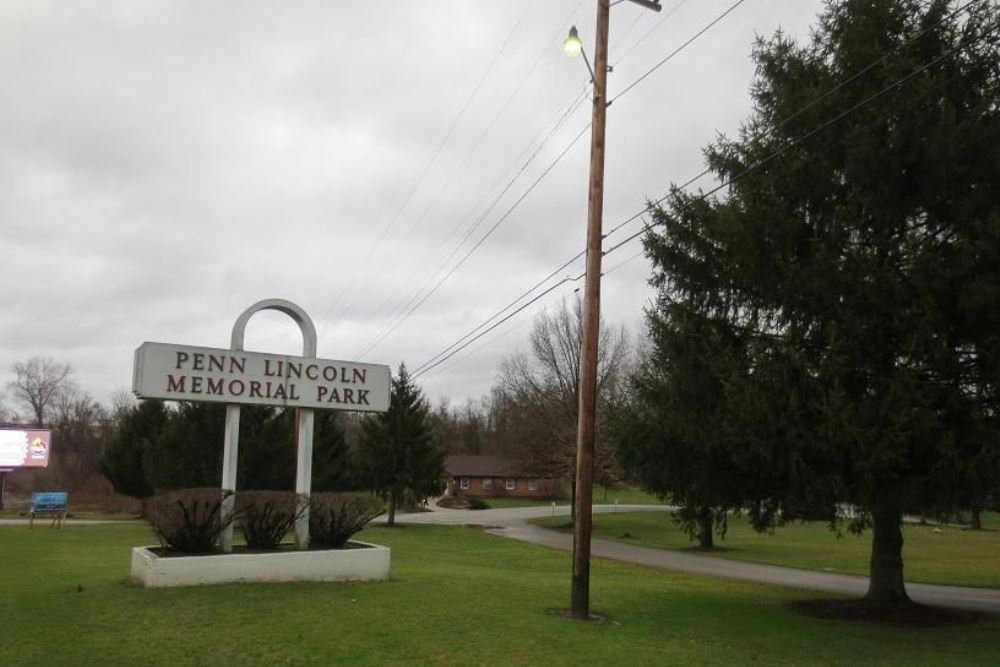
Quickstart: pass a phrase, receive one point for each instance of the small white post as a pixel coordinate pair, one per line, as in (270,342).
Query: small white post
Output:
(230,457)
(616,506)
(303,476)
(553,508)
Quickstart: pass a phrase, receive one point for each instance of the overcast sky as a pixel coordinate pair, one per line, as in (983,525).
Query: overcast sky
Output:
(166,164)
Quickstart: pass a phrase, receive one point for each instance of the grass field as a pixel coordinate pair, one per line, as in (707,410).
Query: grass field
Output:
(457,597)
(932,555)
(602,496)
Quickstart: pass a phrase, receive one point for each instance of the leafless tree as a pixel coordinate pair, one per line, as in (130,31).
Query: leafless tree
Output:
(6,416)
(122,402)
(80,429)
(543,390)
(38,383)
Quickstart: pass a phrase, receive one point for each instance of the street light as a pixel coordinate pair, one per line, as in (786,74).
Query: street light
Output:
(587,419)
(572,45)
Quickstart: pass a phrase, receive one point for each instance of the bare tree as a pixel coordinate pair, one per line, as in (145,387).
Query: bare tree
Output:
(6,416)
(543,390)
(39,382)
(122,402)
(80,427)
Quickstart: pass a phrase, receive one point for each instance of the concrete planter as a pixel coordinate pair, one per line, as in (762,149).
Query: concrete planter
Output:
(368,562)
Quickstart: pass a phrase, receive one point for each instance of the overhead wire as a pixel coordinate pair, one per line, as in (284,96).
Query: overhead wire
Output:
(646,35)
(795,142)
(521,82)
(407,313)
(676,51)
(566,114)
(428,367)
(482,239)
(442,357)
(430,164)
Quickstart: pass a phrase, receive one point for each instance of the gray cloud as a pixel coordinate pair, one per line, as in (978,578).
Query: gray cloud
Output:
(166,164)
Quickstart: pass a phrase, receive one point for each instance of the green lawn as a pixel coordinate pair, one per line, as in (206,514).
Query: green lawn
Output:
(932,555)
(457,597)
(103,516)
(624,495)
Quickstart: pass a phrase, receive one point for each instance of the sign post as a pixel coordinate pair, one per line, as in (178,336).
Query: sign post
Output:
(237,377)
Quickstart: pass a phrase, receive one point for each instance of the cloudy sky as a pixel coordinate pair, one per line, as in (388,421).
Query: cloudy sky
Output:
(165,164)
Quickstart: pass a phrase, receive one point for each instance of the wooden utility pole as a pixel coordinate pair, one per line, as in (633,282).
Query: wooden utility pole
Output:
(587,419)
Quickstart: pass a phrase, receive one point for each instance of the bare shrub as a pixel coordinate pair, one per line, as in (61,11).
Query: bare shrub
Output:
(335,517)
(188,520)
(267,516)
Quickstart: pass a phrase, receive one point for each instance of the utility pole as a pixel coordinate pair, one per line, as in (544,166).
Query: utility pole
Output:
(587,418)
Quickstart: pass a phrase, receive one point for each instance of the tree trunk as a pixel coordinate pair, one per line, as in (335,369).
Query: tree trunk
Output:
(885,578)
(705,537)
(391,520)
(977,521)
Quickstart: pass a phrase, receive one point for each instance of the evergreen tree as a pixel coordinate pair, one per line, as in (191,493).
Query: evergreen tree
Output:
(332,464)
(672,435)
(829,326)
(187,452)
(397,454)
(156,448)
(122,462)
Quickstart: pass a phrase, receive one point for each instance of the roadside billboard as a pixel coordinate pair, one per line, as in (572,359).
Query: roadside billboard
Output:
(24,448)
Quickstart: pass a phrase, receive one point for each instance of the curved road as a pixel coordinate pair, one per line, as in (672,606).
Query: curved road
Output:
(513,523)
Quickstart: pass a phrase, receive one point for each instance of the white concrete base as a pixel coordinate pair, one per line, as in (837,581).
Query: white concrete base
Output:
(362,564)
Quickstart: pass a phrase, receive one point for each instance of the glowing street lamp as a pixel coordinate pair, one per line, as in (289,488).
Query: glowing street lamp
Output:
(572,44)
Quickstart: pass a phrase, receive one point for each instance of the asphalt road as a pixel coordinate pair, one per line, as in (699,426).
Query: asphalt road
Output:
(513,523)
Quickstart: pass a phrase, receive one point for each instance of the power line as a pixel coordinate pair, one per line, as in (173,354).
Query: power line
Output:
(476,350)
(482,239)
(677,50)
(521,82)
(816,100)
(663,19)
(470,338)
(573,106)
(504,309)
(795,142)
(427,368)
(444,140)
(386,332)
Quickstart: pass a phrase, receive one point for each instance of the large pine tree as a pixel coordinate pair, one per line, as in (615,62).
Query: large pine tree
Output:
(398,456)
(830,325)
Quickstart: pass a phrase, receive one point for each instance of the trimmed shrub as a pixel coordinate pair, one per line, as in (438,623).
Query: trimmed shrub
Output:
(478,504)
(265,517)
(335,517)
(188,520)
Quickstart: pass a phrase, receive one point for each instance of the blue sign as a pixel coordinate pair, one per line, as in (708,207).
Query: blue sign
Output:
(51,501)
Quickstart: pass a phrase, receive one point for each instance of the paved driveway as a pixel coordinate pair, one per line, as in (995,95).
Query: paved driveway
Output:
(513,523)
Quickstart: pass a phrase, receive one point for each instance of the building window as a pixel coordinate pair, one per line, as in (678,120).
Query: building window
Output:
(487,483)
(532,485)
(463,483)
(510,484)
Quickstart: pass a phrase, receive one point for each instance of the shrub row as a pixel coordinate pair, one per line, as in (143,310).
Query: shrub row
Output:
(191,520)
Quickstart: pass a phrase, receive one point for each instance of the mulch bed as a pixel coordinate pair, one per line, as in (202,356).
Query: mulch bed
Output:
(909,615)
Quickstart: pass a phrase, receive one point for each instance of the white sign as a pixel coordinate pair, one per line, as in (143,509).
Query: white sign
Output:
(27,448)
(186,373)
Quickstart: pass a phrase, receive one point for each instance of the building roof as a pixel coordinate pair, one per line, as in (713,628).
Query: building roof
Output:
(462,465)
